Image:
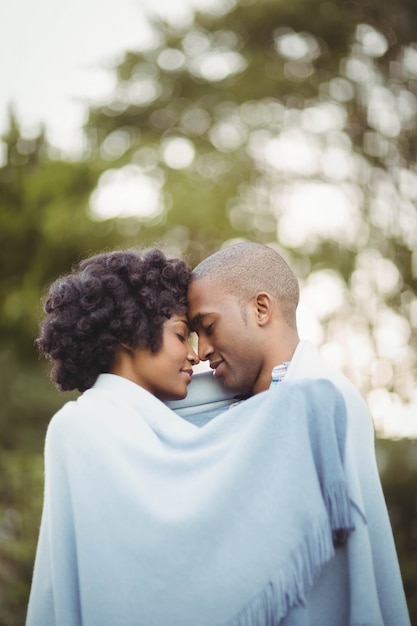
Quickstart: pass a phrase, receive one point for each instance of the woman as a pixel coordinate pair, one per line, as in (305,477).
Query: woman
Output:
(119,318)
(149,520)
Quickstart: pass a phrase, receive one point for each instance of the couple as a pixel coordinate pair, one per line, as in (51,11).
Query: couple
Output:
(168,509)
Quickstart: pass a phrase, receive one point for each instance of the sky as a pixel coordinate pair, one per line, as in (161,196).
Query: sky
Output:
(55,56)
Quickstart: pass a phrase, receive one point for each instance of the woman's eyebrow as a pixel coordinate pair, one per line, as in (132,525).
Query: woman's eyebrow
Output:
(183,321)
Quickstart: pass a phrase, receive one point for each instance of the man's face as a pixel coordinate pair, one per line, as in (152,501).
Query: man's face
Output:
(227,335)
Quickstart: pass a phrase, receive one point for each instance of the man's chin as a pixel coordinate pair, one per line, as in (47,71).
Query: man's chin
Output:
(234,386)
(224,375)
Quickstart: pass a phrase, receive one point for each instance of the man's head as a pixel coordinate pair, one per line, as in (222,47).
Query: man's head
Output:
(242,303)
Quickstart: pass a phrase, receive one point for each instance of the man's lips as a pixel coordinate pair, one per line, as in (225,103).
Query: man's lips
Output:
(215,365)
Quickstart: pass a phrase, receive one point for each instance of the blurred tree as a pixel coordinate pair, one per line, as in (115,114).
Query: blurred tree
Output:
(397,462)
(44,229)
(290,123)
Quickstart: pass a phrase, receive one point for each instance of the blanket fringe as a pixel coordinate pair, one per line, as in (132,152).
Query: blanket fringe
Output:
(338,505)
(291,584)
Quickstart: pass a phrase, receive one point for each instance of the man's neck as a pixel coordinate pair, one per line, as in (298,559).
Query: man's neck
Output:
(282,353)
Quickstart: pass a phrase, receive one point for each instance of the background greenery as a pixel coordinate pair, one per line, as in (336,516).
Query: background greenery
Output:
(201,128)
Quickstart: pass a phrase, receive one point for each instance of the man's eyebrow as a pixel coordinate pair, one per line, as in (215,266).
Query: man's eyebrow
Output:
(197,319)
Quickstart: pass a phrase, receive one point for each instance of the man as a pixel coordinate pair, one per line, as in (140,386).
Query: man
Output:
(242,304)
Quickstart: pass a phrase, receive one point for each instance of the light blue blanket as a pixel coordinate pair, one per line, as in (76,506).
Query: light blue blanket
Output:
(149,520)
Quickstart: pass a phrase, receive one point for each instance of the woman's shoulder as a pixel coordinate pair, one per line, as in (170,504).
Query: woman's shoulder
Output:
(69,417)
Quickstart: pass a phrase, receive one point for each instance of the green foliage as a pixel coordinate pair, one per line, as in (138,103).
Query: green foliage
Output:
(21,490)
(44,230)
(398,467)
(259,96)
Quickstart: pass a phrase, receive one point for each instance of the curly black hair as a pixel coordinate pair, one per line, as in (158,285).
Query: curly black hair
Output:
(114,298)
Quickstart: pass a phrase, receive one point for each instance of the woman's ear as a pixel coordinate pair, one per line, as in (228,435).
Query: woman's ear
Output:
(263,304)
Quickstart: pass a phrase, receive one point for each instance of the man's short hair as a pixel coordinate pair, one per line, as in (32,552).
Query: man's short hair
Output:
(244,269)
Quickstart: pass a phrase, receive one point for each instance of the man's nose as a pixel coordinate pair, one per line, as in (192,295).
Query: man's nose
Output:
(192,356)
(204,349)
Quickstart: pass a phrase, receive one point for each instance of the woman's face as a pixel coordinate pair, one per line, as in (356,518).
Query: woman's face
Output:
(166,373)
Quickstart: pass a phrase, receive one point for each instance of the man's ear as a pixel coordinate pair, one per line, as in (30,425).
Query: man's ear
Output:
(263,308)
